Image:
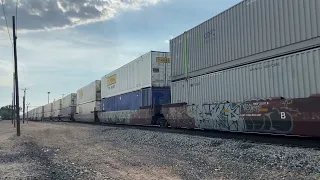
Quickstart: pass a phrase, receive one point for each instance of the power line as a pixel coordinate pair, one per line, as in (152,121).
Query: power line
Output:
(5,17)
(17,2)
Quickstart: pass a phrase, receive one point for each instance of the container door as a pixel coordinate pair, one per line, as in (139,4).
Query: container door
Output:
(146,96)
(161,96)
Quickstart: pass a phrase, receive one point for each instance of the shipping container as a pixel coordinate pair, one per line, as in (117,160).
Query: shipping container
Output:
(30,114)
(69,100)
(251,31)
(134,100)
(89,93)
(67,112)
(88,108)
(152,69)
(56,113)
(56,105)
(291,76)
(68,106)
(47,110)
(40,112)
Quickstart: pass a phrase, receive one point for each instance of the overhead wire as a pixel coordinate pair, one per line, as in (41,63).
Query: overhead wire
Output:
(5,18)
(17,2)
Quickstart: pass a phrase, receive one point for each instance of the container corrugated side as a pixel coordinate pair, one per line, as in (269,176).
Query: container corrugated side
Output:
(69,100)
(47,108)
(68,111)
(40,111)
(292,76)
(247,32)
(89,93)
(160,70)
(127,101)
(88,108)
(56,105)
(55,113)
(134,100)
(150,69)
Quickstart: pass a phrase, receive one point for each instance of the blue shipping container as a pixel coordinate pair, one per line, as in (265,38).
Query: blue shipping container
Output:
(134,100)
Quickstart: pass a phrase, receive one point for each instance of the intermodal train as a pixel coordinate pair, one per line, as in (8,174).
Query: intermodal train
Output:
(252,68)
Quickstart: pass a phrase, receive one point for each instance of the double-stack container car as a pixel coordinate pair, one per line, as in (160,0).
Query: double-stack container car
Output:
(56,108)
(47,111)
(252,68)
(68,107)
(88,102)
(131,93)
(250,31)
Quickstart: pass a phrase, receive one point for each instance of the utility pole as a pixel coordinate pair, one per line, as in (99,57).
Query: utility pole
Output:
(12,108)
(48,96)
(16,74)
(28,112)
(13,101)
(24,103)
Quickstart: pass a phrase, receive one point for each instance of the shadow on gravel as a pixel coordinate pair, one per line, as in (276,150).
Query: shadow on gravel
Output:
(10,158)
(286,141)
(43,159)
(112,129)
(50,169)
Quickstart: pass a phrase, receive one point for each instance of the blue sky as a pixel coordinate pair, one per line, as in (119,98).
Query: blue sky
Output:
(64,45)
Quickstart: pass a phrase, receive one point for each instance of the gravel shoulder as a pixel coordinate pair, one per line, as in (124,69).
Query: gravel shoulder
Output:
(80,151)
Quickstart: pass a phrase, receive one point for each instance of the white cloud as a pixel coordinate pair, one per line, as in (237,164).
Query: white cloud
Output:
(6,74)
(39,15)
(168,40)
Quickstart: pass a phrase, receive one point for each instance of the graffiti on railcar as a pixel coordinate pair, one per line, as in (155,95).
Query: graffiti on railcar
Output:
(259,115)
(121,117)
(267,118)
(177,116)
(141,116)
(222,116)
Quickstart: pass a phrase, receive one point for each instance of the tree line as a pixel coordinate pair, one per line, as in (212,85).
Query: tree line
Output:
(6,112)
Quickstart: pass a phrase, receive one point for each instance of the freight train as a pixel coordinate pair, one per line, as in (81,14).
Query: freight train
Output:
(253,68)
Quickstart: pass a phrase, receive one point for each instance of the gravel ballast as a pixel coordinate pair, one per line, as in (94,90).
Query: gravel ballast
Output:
(80,151)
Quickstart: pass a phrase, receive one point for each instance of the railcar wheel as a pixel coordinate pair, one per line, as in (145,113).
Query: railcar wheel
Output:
(163,123)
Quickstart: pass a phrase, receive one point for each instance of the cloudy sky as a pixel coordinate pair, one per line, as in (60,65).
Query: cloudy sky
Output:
(64,45)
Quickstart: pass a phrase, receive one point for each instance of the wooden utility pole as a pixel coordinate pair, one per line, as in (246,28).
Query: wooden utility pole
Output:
(24,104)
(27,112)
(13,100)
(16,75)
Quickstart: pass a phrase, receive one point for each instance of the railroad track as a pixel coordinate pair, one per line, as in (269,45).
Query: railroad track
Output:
(265,138)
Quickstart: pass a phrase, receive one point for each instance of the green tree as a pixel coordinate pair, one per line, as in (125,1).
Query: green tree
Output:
(6,112)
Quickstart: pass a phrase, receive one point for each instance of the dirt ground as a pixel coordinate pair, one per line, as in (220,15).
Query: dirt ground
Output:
(79,151)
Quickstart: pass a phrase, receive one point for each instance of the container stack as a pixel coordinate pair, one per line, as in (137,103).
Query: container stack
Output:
(254,50)
(56,108)
(144,81)
(39,113)
(68,106)
(47,111)
(31,114)
(88,101)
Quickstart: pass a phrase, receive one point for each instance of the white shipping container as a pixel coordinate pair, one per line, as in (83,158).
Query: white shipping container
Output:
(292,76)
(68,111)
(40,110)
(69,100)
(88,108)
(249,31)
(47,108)
(152,69)
(55,113)
(56,105)
(30,113)
(89,93)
